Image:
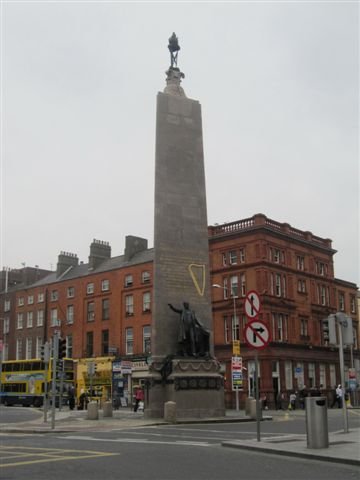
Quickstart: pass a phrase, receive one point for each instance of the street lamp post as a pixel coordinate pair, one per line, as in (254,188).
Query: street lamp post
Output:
(234,297)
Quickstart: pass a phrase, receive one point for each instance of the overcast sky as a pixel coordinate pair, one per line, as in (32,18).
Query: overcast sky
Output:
(279,88)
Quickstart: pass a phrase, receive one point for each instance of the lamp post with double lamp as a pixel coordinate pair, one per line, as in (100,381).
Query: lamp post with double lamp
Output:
(234,297)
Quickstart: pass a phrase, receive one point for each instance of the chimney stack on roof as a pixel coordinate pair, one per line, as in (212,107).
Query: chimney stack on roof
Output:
(66,261)
(99,252)
(134,245)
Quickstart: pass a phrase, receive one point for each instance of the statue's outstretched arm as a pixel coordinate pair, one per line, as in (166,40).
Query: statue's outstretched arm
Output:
(174,309)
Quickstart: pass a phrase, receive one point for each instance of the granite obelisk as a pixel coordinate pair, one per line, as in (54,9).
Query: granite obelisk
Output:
(184,369)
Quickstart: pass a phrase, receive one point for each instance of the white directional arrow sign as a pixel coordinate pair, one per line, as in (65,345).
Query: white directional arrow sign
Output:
(257,334)
(252,304)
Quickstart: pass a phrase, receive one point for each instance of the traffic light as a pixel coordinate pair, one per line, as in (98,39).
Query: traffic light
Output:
(62,348)
(45,352)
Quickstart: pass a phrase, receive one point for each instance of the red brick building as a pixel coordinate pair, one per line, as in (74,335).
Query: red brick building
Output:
(293,272)
(103,307)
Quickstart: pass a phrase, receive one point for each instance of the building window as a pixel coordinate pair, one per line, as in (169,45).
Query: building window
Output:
(54,295)
(278,285)
(6,325)
(303,327)
(226,330)
(332,370)
(105,342)
(146,302)
(40,297)
(341,302)
(147,339)
(301,286)
(128,280)
(224,259)
(242,255)
(243,284)
(7,305)
(53,317)
(28,352)
(129,304)
(277,255)
(71,292)
(235,328)
(325,332)
(145,277)
(89,344)
(322,374)
(70,314)
(233,257)
(20,321)
(30,299)
(300,262)
(288,375)
(129,339)
(105,285)
(355,343)
(29,319)
(352,304)
(90,288)
(38,347)
(323,295)
(90,311)
(5,351)
(69,346)
(19,344)
(320,268)
(311,374)
(105,309)
(234,283)
(225,288)
(40,318)
(279,327)
(20,301)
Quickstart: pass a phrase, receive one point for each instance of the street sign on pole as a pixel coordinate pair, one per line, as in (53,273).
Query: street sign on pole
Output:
(257,334)
(236,348)
(252,304)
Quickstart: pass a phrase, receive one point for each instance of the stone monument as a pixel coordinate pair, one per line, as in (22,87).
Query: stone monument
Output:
(183,368)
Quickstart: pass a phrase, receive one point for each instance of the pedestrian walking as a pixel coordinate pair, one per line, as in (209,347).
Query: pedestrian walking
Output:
(139,397)
(292,404)
(339,396)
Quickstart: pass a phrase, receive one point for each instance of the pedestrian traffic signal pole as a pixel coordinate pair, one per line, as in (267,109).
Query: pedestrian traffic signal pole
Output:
(342,377)
(53,385)
(45,356)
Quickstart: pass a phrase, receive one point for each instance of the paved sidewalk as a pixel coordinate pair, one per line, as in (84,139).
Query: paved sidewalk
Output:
(343,448)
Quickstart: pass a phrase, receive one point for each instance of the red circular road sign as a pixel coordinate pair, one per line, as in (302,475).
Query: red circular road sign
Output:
(252,304)
(257,334)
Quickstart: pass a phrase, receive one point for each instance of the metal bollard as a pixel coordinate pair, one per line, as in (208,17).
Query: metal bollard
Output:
(107,409)
(170,412)
(93,411)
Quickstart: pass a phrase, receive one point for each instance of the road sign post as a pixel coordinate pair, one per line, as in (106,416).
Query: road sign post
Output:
(256,335)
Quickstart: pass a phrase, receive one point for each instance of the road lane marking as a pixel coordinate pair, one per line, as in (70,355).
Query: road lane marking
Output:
(137,440)
(45,455)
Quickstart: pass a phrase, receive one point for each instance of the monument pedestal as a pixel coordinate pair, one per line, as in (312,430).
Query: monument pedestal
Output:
(195,385)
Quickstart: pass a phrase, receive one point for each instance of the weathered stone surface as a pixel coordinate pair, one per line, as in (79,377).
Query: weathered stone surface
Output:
(181,267)
(181,263)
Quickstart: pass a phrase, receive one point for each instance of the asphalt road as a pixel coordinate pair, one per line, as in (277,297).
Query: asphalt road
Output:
(179,452)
